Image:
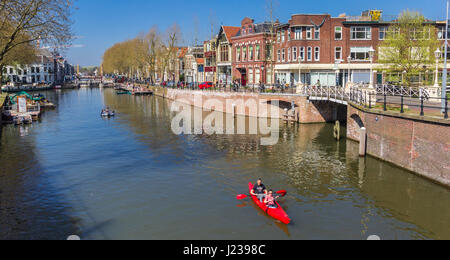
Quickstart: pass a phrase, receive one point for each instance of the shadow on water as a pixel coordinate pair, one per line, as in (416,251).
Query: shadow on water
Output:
(30,207)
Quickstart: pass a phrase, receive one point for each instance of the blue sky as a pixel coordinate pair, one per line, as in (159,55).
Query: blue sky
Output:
(101,23)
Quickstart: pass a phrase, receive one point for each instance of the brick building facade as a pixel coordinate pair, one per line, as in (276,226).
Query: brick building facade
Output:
(329,50)
(251,53)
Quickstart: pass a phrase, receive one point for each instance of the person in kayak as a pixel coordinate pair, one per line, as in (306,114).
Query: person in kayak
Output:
(270,200)
(259,190)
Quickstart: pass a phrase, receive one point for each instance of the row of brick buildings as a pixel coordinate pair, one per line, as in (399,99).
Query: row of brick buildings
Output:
(308,49)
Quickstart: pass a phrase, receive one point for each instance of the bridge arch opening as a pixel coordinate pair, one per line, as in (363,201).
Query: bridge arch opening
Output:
(357,120)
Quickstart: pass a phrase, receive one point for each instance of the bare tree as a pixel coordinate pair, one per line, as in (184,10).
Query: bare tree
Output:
(152,48)
(172,39)
(271,10)
(23,22)
(212,22)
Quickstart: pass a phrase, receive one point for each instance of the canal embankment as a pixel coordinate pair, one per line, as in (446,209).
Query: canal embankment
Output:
(277,105)
(418,144)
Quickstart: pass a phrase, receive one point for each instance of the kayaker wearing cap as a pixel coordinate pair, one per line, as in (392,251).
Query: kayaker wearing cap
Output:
(270,200)
(259,190)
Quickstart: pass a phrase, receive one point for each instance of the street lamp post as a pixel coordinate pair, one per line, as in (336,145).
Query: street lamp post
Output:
(444,77)
(300,83)
(437,54)
(371,55)
(337,71)
(349,59)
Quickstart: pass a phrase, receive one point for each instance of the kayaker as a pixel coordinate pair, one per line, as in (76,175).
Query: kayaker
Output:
(270,200)
(259,190)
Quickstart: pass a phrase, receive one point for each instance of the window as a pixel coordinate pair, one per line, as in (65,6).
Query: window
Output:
(309,33)
(224,53)
(302,54)
(441,33)
(419,34)
(279,37)
(385,31)
(250,55)
(338,33)
(244,54)
(338,53)
(360,53)
(294,54)
(283,36)
(361,33)
(317,33)
(38,70)
(269,49)
(238,53)
(317,54)
(279,56)
(289,34)
(32,70)
(258,52)
(283,55)
(289,55)
(250,75)
(309,54)
(298,33)
(11,71)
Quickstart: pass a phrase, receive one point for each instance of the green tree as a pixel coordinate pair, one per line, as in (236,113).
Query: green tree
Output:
(409,46)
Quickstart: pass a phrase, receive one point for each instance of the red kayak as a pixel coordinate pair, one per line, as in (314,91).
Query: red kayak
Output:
(278,213)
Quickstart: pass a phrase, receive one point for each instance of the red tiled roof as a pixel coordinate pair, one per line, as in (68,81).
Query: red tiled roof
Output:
(230,31)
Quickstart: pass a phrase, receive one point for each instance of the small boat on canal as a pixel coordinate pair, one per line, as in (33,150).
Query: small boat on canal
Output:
(124,93)
(277,213)
(106,113)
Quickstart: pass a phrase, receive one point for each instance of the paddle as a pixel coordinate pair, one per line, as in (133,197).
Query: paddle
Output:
(281,193)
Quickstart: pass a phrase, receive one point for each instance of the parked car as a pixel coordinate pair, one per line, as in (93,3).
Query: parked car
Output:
(206,85)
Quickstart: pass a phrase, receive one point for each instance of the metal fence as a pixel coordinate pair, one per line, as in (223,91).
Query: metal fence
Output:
(280,89)
(386,97)
(408,102)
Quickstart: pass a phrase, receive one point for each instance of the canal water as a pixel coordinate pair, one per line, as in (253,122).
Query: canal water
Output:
(130,177)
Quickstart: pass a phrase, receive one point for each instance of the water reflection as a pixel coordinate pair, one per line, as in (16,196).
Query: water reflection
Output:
(131,178)
(323,176)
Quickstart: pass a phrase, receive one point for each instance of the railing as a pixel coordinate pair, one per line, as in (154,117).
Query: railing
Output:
(236,88)
(331,92)
(391,90)
(399,99)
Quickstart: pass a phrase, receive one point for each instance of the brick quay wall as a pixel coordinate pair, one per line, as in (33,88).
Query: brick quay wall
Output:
(416,144)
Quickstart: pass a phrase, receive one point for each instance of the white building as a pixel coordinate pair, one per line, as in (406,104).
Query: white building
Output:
(41,71)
